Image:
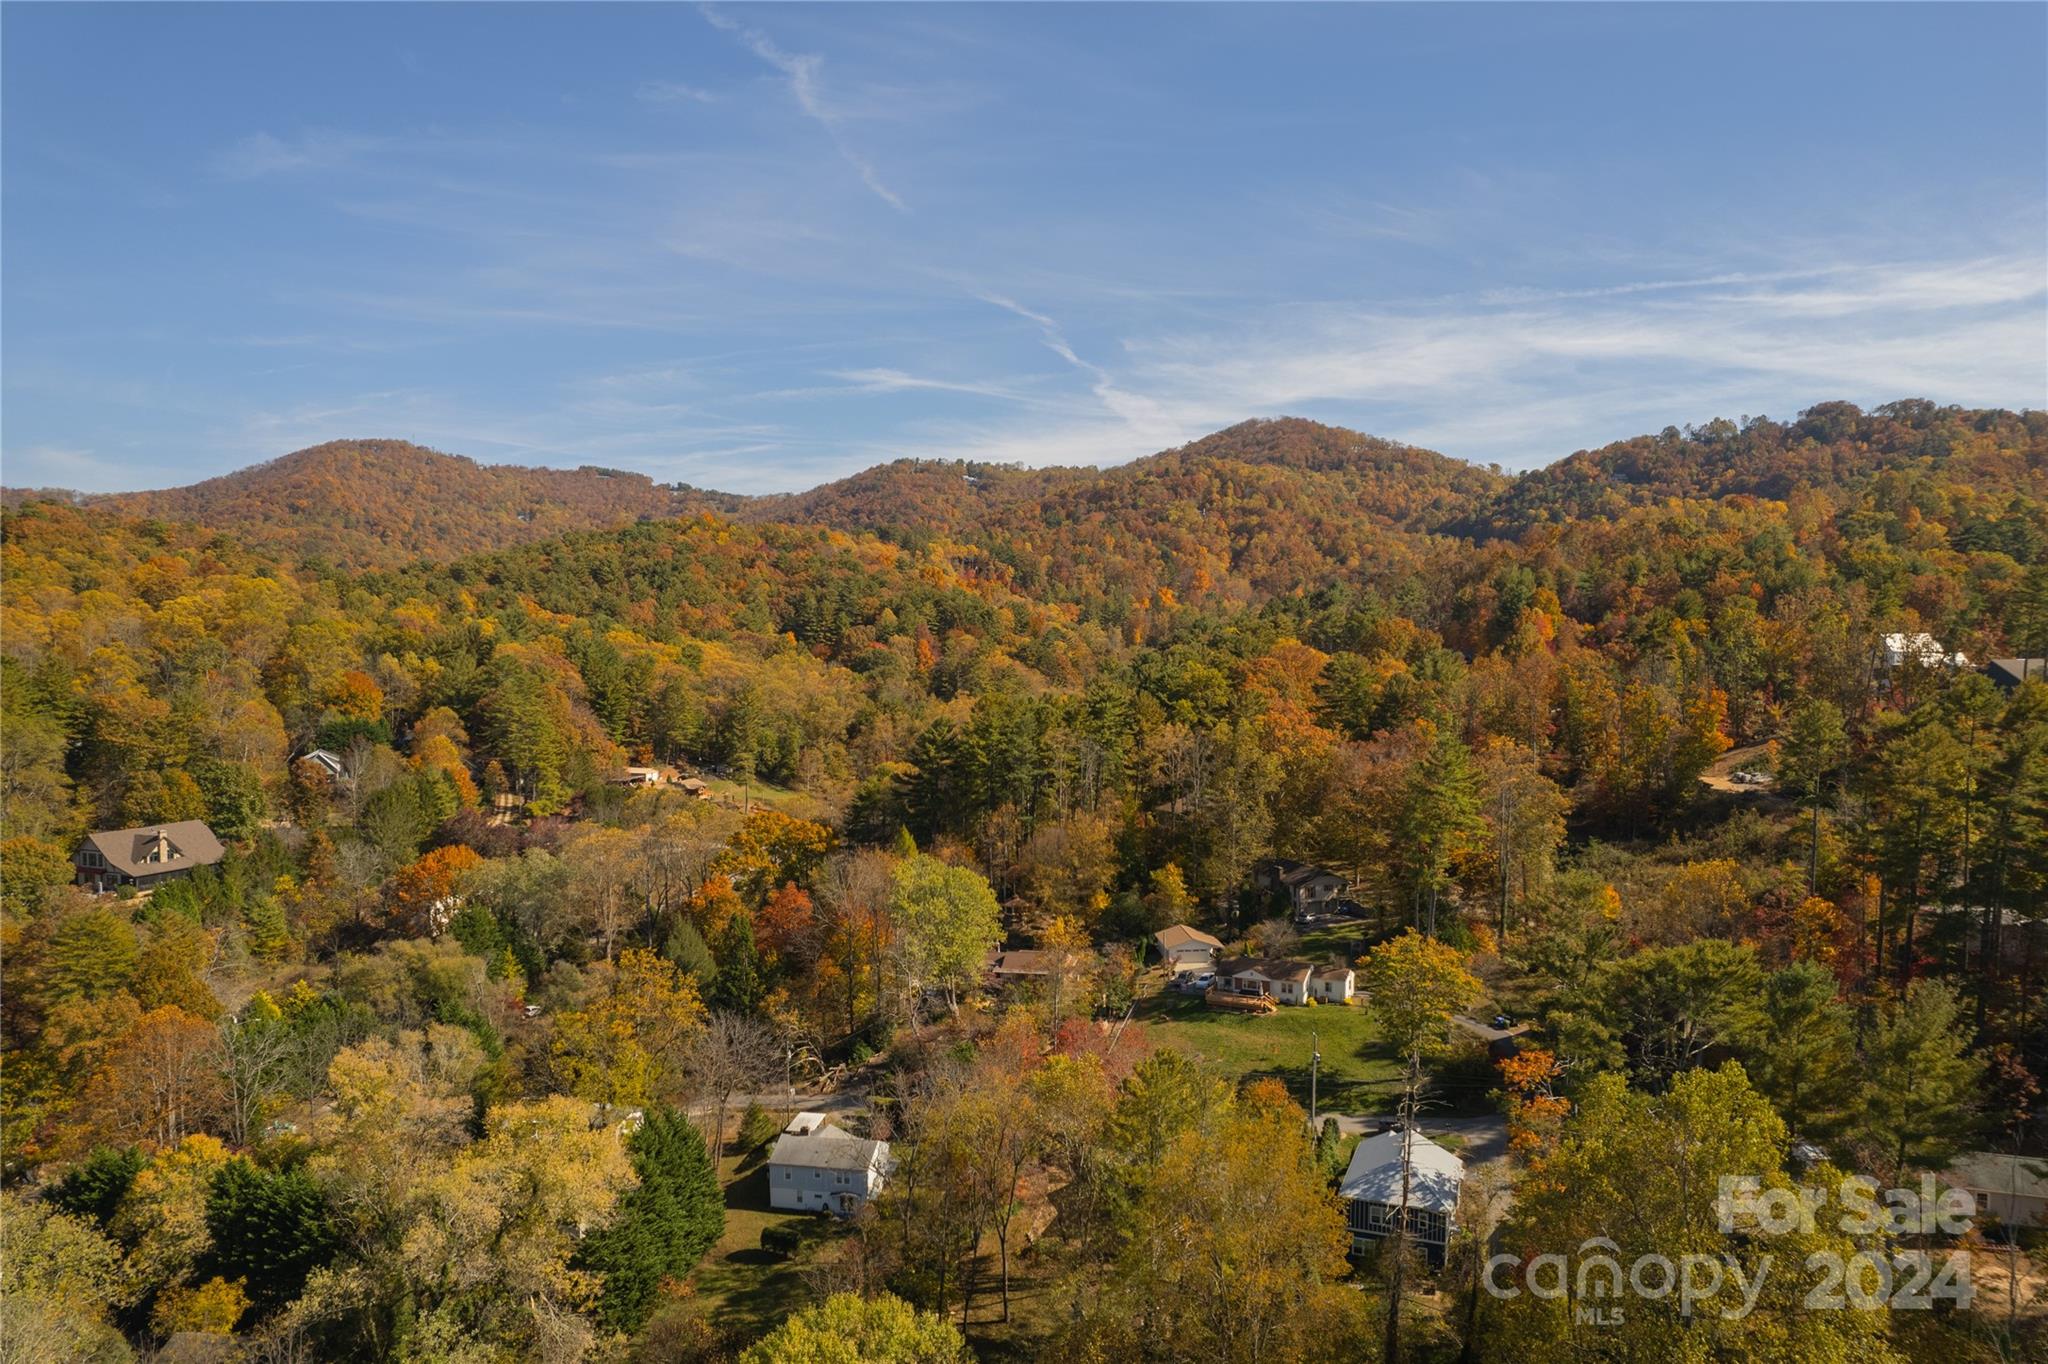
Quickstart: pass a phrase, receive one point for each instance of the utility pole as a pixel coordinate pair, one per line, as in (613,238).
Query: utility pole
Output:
(1398,1269)
(1315,1064)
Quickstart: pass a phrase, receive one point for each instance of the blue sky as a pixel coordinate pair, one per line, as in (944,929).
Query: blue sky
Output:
(755,248)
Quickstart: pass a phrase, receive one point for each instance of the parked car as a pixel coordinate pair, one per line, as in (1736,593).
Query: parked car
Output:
(1196,985)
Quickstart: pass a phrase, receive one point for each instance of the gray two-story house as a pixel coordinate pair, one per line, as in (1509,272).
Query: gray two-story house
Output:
(818,1167)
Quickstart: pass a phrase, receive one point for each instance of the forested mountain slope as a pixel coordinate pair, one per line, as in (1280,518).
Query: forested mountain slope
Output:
(1831,447)
(361,503)
(1259,509)
(1060,709)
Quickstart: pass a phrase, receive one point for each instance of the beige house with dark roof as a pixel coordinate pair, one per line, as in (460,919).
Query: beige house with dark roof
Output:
(145,857)
(1185,949)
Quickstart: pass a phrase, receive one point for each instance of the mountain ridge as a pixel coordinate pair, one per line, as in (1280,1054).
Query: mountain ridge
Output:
(381,502)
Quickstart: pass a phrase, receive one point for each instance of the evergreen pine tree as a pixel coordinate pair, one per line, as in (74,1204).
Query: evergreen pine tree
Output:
(738,983)
(1330,1148)
(97,1187)
(1803,1057)
(269,933)
(663,1227)
(691,954)
(1439,818)
(270,1228)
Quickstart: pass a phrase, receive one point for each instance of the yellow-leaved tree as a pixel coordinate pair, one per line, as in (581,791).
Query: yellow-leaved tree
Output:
(629,1045)
(490,1247)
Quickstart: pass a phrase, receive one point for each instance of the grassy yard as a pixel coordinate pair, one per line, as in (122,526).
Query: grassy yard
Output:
(1358,1073)
(739,1284)
(782,798)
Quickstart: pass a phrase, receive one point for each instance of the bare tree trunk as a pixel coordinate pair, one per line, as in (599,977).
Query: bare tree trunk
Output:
(1397,1280)
(1003,1243)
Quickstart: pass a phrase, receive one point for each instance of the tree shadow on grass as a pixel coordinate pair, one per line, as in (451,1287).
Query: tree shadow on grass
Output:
(1334,1094)
(749,1193)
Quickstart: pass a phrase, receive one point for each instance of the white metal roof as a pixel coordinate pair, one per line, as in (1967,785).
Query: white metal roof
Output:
(1374,1174)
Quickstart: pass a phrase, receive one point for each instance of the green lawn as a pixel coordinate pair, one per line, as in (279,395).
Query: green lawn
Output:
(799,804)
(1358,1074)
(739,1284)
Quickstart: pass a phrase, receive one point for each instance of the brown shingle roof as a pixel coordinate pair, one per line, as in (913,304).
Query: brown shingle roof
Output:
(1271,968)
(1180,935)
(158,848)
(1307,873)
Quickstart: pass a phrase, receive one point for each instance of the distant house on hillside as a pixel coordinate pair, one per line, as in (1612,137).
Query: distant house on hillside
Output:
(145,857)
(2008,673)
(329,763)
(1023,963)
(1183,949)
(1309,888)
(695,787)
(818,1167)
(2013,1189)
(1371,1191)
(638,776)
(1285,981)
(1921,649)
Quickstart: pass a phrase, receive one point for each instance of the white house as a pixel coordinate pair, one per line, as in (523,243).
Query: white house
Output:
(1186,950)
(1285,981)
(2013,1189)
(818,1167)
(1921,648)
(1372,1192)
(1332,984)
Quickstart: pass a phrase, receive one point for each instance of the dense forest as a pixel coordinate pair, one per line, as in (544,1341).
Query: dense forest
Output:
(363,503)
(468,1051)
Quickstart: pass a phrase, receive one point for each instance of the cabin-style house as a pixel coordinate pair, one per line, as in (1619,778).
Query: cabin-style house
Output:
(145,857)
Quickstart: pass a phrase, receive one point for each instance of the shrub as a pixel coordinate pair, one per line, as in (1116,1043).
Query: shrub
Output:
(782,1238)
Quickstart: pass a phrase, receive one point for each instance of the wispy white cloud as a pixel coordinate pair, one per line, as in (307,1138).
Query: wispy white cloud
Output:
(263,154)
(673,92)
(61,466)
(1142,416)
(802,70)
(1527,376)
(1971,330)
(896,381)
